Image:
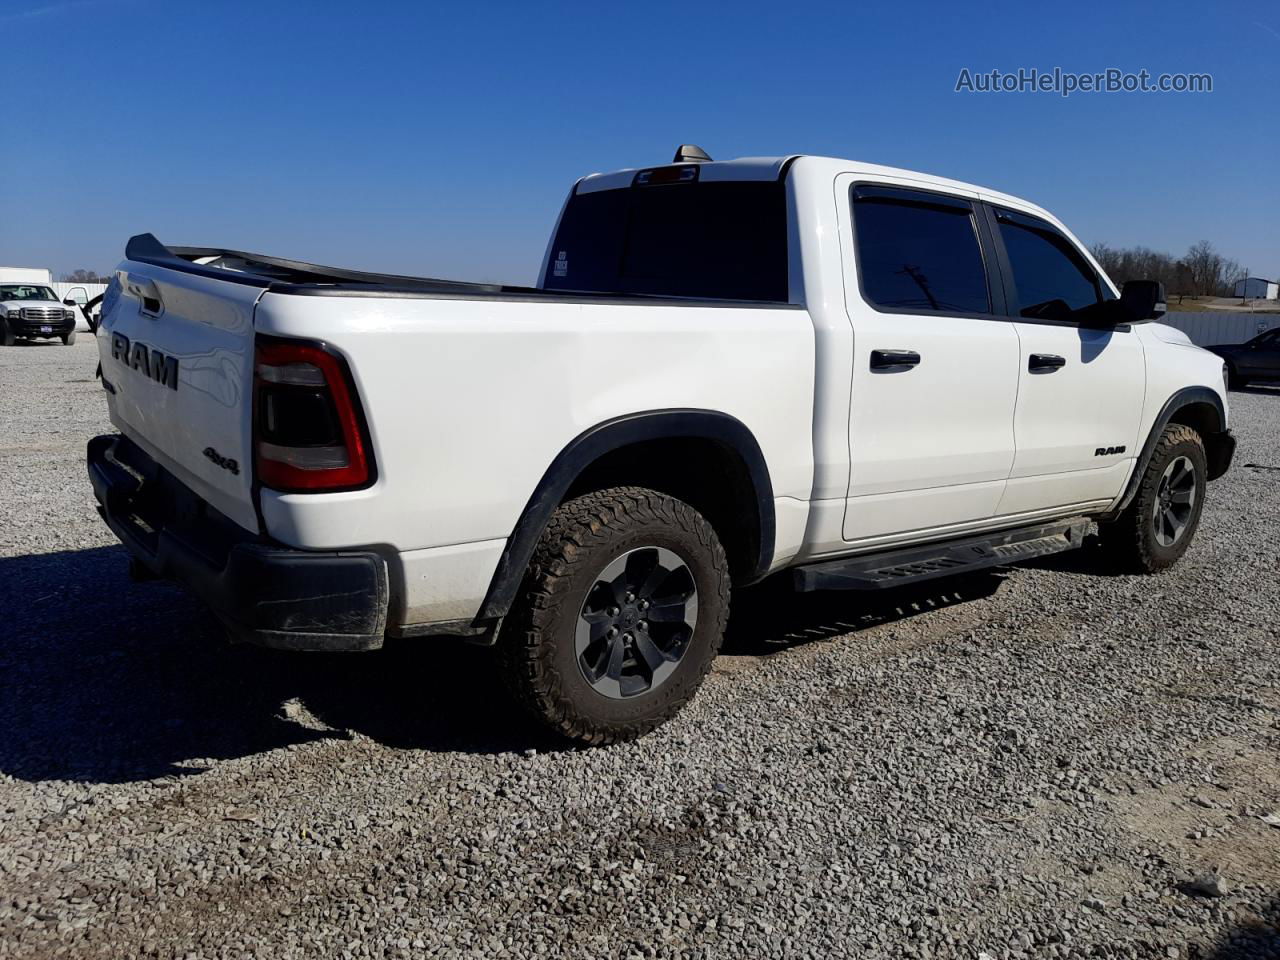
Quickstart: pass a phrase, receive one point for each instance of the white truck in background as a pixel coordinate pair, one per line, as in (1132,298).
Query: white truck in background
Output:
(30,309)
(864,375)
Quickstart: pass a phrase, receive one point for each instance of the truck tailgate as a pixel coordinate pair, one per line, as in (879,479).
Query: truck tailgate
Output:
(177,353)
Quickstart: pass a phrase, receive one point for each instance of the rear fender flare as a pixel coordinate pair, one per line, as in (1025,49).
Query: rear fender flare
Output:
(599,440)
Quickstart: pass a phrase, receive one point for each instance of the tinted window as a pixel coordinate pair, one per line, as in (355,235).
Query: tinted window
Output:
(920,255)
(720,241)
(1050,277)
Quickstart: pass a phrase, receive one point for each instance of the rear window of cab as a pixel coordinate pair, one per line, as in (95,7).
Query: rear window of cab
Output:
(719,240)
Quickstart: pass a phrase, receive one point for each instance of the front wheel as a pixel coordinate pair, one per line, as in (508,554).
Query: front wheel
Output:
(1233,378)
(6,334)
(621,613)
(1158,525)
(69,338)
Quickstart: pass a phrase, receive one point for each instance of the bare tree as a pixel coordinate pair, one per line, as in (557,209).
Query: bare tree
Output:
(1203,272)
(1182,280)
(1206,266)
(1232,273)
(82,276)
(1138,263)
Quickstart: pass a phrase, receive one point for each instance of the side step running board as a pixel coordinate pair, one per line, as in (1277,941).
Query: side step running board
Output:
(924,562)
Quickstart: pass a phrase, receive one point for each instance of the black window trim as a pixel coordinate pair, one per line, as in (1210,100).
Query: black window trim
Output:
(995,258)
(991,215)
(877,189)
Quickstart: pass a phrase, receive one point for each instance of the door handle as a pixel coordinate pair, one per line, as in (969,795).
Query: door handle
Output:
(894,359)
(1045,362)
(145,289)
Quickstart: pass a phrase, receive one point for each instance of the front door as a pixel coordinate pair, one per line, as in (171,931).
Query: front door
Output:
(1080,390)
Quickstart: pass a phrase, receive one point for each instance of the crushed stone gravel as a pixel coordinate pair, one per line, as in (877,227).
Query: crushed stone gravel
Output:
(1041,762)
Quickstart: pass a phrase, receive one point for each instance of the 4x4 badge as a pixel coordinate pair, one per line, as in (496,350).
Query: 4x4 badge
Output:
(226,463)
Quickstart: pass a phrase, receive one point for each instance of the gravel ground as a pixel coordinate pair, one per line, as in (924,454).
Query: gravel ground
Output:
(1043,763)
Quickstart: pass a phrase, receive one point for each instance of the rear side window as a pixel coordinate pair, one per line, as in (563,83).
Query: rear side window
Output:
(918,252)
(1051,279)
(716,241)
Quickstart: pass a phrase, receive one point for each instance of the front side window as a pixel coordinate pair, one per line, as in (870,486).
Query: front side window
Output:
(918,252)
(1051,279)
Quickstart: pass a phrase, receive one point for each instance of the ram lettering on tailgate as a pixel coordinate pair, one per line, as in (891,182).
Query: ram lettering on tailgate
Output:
(150,362)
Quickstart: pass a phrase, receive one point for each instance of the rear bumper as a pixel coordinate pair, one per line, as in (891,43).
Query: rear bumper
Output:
(265,593)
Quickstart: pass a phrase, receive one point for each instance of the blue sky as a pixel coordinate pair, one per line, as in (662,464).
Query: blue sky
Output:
(439,139)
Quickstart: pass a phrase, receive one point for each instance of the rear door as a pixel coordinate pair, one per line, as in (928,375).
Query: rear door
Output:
(177,362)
(935,374)
(1081,390)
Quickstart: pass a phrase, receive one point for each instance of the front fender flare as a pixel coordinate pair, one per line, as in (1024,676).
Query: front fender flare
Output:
(1183,398)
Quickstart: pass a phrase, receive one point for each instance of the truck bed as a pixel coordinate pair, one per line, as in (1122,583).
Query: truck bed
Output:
(280,275)
(468,394)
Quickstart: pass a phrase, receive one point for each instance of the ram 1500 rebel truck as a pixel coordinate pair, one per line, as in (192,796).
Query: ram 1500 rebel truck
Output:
(863,375)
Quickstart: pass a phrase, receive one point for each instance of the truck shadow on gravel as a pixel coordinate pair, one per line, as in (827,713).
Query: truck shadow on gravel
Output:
(771,617)
(1090,560)
(1255,938)
(108,681)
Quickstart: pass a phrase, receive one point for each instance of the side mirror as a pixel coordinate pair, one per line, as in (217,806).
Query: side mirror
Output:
(1143,299)
(68,302)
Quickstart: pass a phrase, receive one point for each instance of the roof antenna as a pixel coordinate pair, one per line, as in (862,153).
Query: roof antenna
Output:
(690,153)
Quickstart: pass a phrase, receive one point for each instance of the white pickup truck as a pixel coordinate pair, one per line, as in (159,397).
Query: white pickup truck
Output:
(864,375)
(30,310)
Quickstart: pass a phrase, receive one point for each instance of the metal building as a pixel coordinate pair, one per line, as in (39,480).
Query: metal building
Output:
(1257,288)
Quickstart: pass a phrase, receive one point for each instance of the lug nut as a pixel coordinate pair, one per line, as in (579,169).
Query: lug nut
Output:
(611,632)
(642,626)
(644,604)
(631,598)
(613,611)
(627,638)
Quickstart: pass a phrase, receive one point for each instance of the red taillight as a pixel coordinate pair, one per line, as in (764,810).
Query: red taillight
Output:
(308,435)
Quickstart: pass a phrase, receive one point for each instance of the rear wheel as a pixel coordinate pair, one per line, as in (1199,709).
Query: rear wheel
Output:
(1157,527)
(621,613)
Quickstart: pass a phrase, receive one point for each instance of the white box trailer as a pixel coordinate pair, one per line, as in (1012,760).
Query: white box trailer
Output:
(26,275)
